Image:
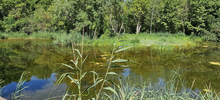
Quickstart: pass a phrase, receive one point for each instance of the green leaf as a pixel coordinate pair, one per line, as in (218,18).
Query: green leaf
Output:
(111,89)
(83,75)
(92,85)
(122,46)
(112,73)
(94,73)
(78,52)
(123,49)
(73,80)
(68,66)
(118,61)
(85,59)
(75,63)
(120,66)
(110,98)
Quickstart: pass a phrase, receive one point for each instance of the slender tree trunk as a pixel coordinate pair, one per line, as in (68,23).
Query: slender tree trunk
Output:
(183,25)
(95,36)
(152,14)
(123,32)
(138,28)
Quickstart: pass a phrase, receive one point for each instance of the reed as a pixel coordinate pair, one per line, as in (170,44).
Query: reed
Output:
(122,90)
(148,90)
(78,67)
(159,40)
(1,81)
(19,88)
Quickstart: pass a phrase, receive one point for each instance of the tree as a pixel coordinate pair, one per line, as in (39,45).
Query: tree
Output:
(138,8)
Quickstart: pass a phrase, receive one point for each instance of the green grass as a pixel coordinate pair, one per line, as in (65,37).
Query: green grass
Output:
(173,88)
(160,41)
(147,39)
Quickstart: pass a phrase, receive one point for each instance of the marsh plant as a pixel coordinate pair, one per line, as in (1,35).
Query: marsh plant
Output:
(78,69)
(19,88)
(173,88)
(1,81)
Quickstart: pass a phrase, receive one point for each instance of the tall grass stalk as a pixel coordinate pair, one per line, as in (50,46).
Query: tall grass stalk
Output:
(150,91)
(1,88)
(80,75)
(121,48)
(19,88)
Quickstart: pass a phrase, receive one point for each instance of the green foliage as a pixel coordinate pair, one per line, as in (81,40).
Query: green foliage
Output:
(78,66)
(172,89)
(67,39)
(99,17)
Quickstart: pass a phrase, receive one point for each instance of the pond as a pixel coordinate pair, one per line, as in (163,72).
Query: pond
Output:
(42,62)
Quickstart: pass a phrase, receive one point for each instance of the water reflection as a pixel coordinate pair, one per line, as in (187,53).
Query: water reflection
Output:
(126,72)
(42,61)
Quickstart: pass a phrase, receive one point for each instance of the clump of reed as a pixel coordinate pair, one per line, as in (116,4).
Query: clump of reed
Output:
(19,88)
(122,90)
(1,81)
(79,74)
(166,41)
(78,67)
(170,89)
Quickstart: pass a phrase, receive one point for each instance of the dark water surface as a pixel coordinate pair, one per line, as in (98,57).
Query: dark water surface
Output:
(42,62)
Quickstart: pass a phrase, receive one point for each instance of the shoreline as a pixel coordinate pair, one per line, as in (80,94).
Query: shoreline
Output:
(140,40)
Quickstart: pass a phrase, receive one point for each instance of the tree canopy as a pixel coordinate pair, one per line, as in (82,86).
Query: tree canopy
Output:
(198,17)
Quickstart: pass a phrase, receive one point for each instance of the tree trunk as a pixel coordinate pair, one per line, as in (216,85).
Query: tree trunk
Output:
(138,28)
(152,14)
(95,36)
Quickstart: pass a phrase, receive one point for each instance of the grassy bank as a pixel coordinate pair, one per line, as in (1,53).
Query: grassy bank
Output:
(173,88)
(155,40)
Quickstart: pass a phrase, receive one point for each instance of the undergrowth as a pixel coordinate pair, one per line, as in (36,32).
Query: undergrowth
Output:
(163,41)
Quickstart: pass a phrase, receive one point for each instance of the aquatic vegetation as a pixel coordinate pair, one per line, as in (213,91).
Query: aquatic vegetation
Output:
(80,75)
(19,88)
(166,41)
(141,55)
(170,89)
(1,81)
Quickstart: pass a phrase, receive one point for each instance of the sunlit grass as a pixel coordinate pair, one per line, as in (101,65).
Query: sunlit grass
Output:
(164,41)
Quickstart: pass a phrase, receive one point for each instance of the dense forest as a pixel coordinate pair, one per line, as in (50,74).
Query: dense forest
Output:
(96,17)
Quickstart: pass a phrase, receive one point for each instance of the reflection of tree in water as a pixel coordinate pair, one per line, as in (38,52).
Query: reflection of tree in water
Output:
(24,57)
(38,59)
(192,63)
(8,71)
(43,60)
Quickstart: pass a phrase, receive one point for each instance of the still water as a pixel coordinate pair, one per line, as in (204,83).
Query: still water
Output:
(41,60)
